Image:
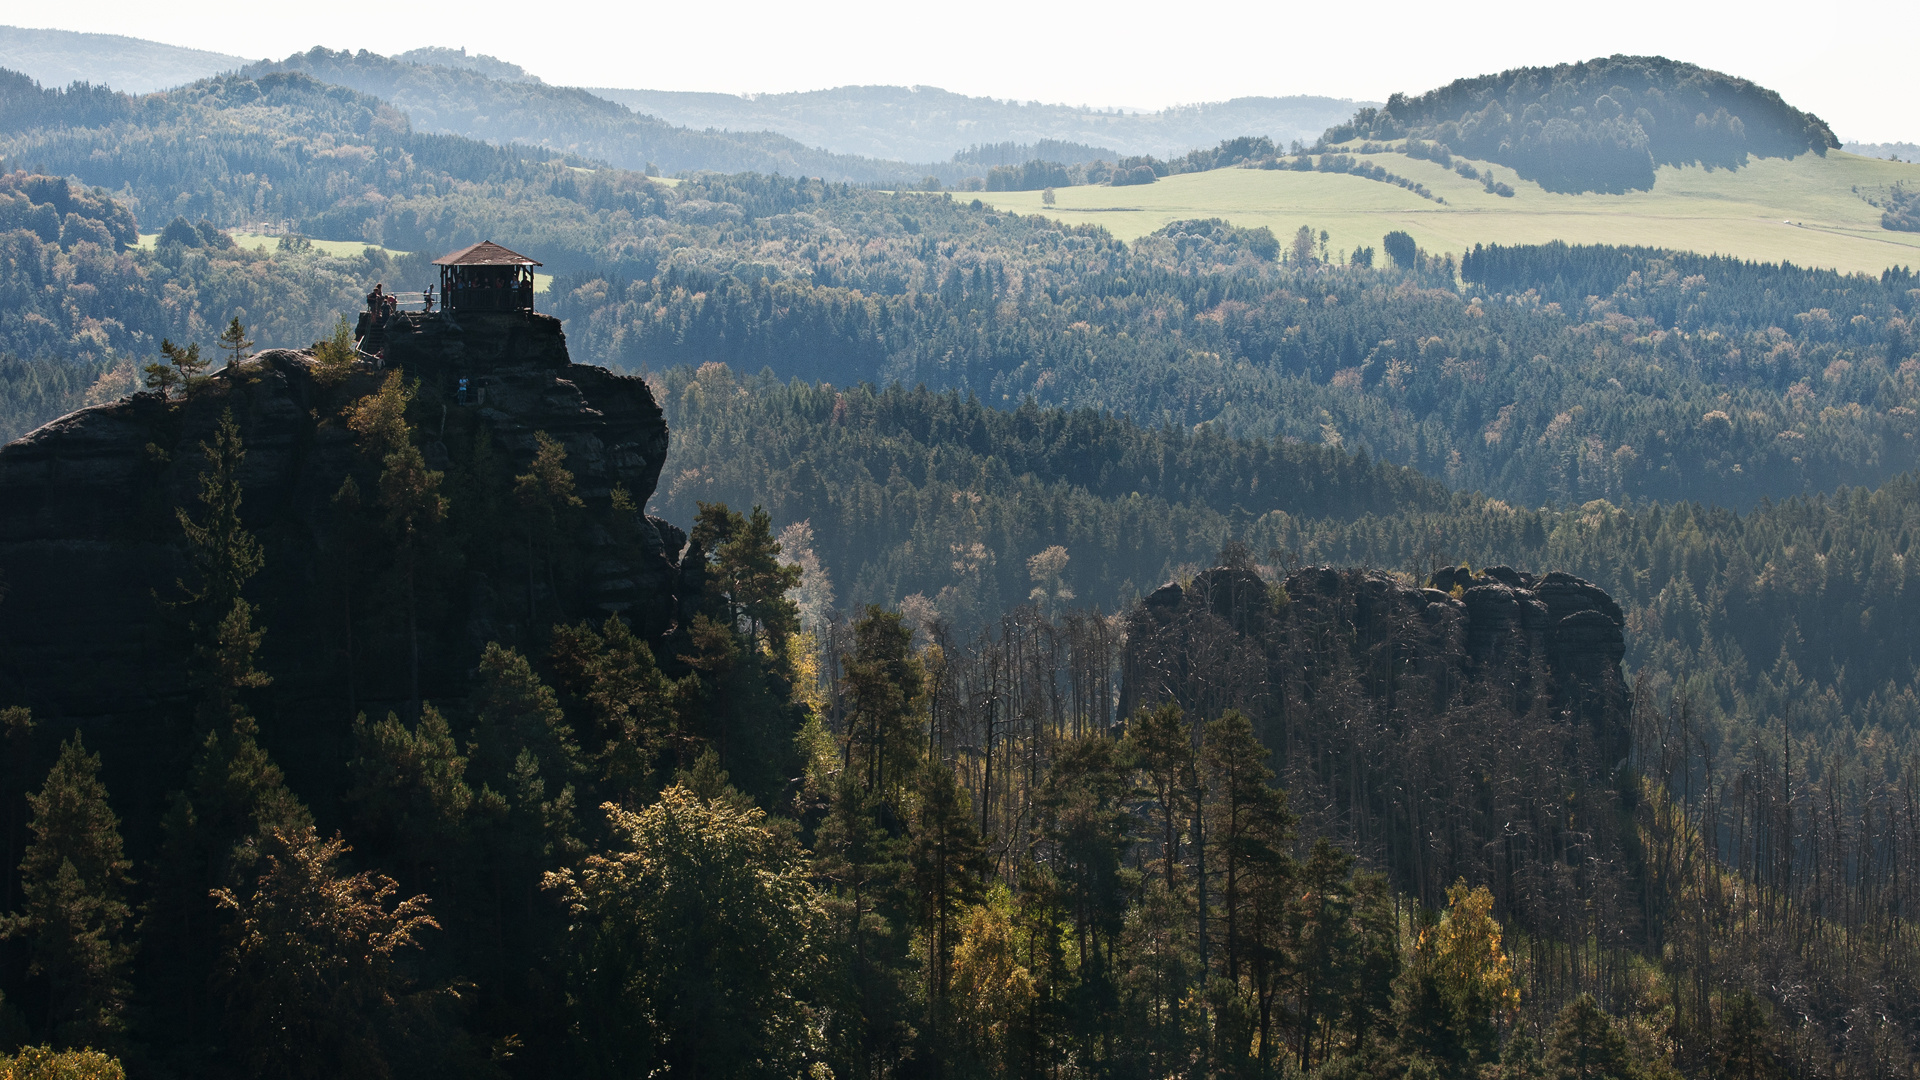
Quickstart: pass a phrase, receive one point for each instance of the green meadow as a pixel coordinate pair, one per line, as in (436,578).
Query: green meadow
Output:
(1805,210)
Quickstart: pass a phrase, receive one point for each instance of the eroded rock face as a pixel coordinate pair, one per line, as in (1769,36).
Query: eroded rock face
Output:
(1502,636)
(90,546)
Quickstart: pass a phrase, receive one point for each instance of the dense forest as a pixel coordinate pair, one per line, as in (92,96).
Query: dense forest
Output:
(1007,723)
(1599,125)
(1602,375)
(969,870)
(1689,378)
(1800,608)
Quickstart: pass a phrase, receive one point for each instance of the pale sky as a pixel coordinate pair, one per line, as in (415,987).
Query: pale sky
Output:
(1849,61)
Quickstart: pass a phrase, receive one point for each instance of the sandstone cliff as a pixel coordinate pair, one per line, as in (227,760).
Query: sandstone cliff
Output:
(1472,728)
(90,547)
(1553,635)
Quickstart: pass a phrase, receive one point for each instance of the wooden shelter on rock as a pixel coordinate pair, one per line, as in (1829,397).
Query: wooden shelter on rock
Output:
(486,277)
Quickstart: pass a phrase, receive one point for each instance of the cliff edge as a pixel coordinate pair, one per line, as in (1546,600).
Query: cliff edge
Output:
(91,548)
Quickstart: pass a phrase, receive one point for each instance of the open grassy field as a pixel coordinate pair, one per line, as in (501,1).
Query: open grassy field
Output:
(1804,210)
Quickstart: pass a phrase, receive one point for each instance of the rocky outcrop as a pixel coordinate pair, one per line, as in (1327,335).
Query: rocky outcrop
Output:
(90,547)
(1496,635)
(1472,728)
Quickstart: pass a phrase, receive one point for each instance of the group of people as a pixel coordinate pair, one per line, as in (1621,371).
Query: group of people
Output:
(383,303)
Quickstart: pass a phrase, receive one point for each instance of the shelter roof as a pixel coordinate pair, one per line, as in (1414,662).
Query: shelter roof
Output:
(485,253)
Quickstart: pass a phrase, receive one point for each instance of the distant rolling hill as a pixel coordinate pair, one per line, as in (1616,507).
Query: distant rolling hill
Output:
(1600,125)
(1898,151)
(924,123)
(60,57)
(441,98)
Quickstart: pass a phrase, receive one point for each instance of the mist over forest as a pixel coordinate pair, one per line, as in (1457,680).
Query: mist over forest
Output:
(515,580)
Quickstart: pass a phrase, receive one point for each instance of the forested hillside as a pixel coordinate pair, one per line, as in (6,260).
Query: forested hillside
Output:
(1640,375)
(1600,125)
(932,494)
(832,766)
(62,57)
(1693,379)
(497,108)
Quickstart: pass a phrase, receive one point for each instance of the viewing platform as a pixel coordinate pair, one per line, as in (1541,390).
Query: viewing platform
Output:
(484,278)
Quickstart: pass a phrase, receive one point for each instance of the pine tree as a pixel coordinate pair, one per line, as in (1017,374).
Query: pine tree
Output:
(233,340)
(235,794)
(1086,823)
(17,724)
(409,498)
(860,866)
(1251,828)
(178,368)
(223,554)
(945,856)
(545,493)
(613,675)
(410,792)
(74,912)
(752,583)
(1746,1048)
(1520,1059)
(885,686)
(1159,743)
(515,711)
(1586,1045)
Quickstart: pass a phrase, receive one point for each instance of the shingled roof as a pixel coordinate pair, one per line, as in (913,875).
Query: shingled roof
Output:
(485,253)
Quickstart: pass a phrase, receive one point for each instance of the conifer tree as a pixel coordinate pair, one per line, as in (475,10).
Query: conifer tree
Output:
(178,368)
(524,763)
(945,856)
(545,494)
(1520,1058)
(409,493)
(1586,1045)
(410,792)
(859,865)
(1089,828)
(235,794)
(1251,828)
(613,675)
(224,555)
(752,583)
(1746,1048)
(17,724)
(885,686)
(233,341)
(1160,747)
(515,711)
(74,912)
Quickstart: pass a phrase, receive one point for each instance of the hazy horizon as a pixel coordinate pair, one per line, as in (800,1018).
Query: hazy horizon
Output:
(1106,56)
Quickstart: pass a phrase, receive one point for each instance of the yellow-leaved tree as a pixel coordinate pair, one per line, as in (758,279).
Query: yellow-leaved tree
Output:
(1460,985)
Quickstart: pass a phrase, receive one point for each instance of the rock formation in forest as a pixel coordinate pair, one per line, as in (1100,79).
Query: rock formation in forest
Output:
(91,548)
(1472,727)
